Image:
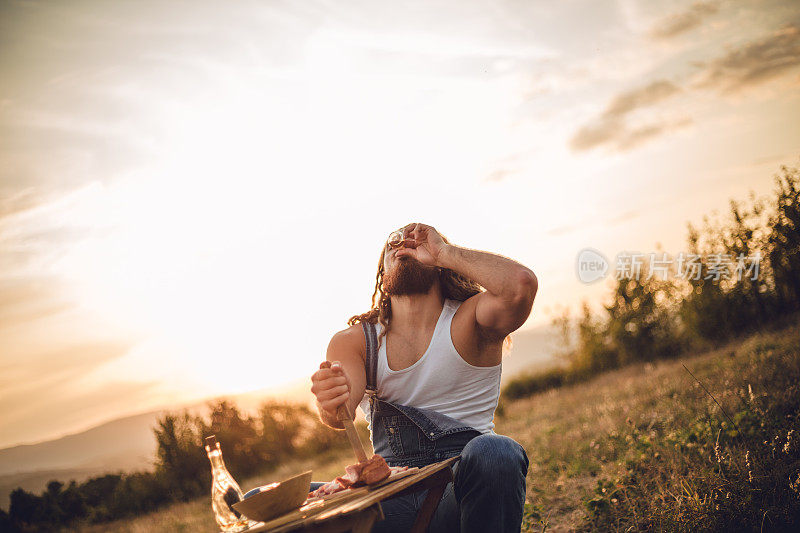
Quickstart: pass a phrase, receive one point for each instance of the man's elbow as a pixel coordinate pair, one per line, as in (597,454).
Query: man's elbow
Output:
(525,287)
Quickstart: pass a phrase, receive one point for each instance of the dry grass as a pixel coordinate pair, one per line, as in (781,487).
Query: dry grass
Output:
(632,449)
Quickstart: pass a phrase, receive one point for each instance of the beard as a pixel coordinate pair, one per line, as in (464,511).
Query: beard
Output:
(409,276)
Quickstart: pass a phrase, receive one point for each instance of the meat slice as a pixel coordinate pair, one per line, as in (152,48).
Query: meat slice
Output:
(351,475)
(374,470)
(371,471)
(331,487)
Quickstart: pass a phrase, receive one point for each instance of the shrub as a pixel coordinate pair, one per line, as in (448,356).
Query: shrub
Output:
(649,318)
(527,384)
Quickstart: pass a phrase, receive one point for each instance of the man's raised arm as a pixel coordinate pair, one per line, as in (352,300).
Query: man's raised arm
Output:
(510,286)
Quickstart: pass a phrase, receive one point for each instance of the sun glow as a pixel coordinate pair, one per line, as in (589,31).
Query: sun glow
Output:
(208,251)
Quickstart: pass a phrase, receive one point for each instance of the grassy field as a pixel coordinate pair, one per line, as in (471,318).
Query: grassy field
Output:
(644,447)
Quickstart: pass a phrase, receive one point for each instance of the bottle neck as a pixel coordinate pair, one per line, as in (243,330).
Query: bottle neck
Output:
(215,456)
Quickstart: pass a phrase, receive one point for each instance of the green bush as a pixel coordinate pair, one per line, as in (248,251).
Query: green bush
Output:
(527,384)
(649,318)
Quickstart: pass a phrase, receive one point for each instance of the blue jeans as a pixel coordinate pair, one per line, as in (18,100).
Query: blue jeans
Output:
(488,489)
(486,495)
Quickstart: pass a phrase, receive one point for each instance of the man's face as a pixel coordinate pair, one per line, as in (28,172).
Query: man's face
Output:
(405,275)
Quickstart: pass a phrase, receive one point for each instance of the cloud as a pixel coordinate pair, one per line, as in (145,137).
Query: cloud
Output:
(27,370)
(18,201)
(619,136)
(613,128)
(566,229)
(499,175)
(632,138)
(560,231)
(752,63)
(623,217)
(28,299)
(648,95)
(683,21)
(739,68)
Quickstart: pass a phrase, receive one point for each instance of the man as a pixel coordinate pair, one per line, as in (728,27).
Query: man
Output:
(433,380)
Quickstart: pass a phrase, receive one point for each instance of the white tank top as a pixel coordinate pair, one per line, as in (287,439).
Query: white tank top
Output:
(441,380)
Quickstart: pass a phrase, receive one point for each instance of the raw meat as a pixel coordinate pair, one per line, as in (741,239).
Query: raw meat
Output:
(372,471)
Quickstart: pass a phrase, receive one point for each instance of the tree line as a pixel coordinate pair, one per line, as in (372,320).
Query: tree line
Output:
(745,275)
(251,443)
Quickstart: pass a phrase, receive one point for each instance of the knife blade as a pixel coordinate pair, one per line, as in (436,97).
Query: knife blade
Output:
(347,421)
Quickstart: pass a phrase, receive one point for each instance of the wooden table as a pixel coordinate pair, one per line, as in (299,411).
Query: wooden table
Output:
(358,509)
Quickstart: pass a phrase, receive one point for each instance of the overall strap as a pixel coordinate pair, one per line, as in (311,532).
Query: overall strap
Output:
(371,361)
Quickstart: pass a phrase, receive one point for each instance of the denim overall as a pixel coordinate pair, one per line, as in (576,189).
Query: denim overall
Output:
(404,435)
(488,493)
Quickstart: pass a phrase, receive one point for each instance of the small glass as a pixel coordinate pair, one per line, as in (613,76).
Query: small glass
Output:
(396,239)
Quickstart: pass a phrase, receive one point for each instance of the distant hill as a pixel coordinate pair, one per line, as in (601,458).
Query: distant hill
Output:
(125,443)
(128,443)
(531,349)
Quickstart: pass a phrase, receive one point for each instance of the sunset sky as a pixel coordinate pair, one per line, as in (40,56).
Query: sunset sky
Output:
(193,195)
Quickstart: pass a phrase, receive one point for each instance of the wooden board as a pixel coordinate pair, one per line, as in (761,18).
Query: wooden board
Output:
(318,512)
(349,493)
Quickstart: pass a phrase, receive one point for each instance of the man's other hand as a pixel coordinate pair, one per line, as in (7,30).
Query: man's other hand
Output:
(330,386)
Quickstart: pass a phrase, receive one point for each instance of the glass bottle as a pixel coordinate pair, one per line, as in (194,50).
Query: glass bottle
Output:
(224,491)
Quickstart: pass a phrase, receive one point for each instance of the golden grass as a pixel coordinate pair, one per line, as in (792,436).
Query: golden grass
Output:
(583,433)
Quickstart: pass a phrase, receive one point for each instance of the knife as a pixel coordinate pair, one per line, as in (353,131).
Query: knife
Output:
(347,421)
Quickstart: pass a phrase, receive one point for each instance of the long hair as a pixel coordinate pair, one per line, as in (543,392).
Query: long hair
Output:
(453,285)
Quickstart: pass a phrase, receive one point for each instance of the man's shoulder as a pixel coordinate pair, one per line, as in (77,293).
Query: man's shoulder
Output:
(354,332)
(351,339)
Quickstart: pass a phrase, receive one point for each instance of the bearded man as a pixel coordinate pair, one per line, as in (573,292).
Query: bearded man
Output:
(424,365)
